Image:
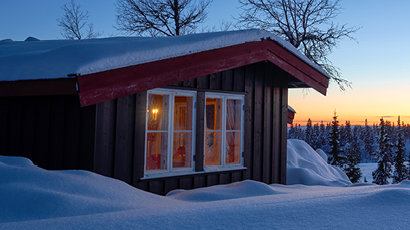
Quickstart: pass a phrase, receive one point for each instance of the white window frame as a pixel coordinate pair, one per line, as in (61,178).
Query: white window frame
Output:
(170,170)
(225,97)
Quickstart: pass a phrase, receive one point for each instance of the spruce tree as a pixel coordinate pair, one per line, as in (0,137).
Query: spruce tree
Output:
(346,135)
(308,132)
(352,159)
(323,137)
(291,133)
(383,171)
(336,157)
(369,142)
(299,133)
(316,137)
(400,170)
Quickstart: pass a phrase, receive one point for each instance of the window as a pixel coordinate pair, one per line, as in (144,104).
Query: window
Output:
(223,143)
(170,129)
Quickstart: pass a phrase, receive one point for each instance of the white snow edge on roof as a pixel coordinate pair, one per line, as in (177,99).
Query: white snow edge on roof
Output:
(291,109)
(54,59)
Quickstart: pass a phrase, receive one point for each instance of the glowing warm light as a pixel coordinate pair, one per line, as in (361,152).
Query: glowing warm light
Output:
(155,113)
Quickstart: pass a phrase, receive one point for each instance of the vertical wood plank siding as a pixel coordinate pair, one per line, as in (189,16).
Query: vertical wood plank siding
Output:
(109,138)
(264,126)
(53,131)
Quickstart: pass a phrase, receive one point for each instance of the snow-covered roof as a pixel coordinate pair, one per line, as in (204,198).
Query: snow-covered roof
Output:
(291,109)
(52,59)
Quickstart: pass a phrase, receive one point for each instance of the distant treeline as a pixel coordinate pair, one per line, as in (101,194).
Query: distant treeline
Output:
(318,136)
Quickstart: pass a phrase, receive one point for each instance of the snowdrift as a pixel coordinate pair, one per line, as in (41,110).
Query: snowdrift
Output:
(306,166)
(34,198)
(247,188)
(28,192)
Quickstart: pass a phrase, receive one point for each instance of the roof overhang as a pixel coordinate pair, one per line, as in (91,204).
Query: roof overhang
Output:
(107,85)
(62,86)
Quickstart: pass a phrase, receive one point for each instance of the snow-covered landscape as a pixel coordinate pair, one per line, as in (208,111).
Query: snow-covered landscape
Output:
(34,198)
(186,114)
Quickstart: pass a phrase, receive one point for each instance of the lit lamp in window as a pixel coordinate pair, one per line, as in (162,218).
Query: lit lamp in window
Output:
(155,114)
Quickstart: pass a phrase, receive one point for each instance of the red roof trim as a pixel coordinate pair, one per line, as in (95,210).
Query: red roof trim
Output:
(111,84)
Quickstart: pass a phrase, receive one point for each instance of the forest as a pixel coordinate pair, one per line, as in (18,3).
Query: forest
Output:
(347,145)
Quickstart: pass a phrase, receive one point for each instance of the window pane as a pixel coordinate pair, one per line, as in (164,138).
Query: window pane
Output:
(158,112)
(213,148)
(156,157)
(233,114)
(213,113)
(182,147)
(183,113)
(233,148)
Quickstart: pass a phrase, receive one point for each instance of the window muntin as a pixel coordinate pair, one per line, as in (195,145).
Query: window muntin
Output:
(182,139)
(223,130)
(233,131)
(169,145)
(157,132)
(213,131)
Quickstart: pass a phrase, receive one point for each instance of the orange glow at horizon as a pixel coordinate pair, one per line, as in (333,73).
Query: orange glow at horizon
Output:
(371,102)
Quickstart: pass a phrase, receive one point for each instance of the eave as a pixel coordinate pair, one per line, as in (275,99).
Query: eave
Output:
(107,85)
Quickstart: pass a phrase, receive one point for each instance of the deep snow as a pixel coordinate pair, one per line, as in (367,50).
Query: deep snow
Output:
(34,198)
(60,58)
(308,167)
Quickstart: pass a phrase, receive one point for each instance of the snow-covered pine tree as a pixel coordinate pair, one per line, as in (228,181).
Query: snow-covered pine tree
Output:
(315,137)
(291,133)
(346,135)
(400,170)
(369,143)
(299,133)
(383,171)
(352,159)
(308,132)
(336,157)
(323,138)
(358,133)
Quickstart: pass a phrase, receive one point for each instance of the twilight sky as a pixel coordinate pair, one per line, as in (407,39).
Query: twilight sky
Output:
(378,64)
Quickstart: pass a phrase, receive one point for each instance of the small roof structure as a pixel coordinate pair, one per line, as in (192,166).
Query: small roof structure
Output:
(108,68)
(291,114)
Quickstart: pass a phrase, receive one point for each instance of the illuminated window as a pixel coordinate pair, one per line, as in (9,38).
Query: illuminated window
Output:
(170,131)
(223,142)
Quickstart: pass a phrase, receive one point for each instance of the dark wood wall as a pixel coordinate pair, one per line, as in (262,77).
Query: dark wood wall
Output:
(109,138)
(120,131)
(53,131)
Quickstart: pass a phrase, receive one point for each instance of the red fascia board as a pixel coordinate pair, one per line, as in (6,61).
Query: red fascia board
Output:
(297,68)
(107,85)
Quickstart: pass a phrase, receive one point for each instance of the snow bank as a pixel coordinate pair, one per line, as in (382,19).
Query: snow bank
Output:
(247,188)
(33,198)
(322,154)
(59,58)
(28,192)
(306,166)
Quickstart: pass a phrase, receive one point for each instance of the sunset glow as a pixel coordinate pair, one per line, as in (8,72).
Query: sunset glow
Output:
(354,105)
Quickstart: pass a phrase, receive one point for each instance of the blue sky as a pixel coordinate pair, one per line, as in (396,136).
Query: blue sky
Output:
(378,64)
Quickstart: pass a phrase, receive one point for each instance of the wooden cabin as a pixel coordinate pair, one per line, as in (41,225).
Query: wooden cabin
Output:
(158,113)
(291,115)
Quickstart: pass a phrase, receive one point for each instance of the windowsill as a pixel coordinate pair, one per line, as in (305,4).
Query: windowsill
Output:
(223,169)
(185,173)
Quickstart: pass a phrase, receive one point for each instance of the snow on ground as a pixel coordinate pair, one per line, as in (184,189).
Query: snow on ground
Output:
(306,166)
(34,198)
(367,169)
(58,58)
